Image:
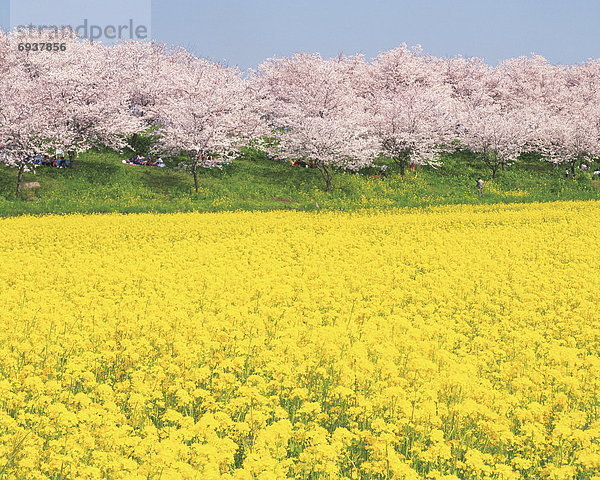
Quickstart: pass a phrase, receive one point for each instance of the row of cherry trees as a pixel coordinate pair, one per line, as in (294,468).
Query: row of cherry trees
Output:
(411,107)
(341,113)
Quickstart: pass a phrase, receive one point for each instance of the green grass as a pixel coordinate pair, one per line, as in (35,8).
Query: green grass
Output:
(101,183)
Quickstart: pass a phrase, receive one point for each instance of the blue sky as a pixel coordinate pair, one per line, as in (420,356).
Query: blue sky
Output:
(244,32)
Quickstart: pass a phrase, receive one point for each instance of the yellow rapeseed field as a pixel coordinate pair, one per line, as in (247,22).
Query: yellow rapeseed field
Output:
(450,343)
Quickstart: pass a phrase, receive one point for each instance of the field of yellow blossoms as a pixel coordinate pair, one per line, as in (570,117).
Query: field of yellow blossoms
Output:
(449,343)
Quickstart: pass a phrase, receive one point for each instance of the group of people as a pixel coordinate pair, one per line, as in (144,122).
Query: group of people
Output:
(584,167)
(208,161)
(303,164)
(146,161)
(56,161)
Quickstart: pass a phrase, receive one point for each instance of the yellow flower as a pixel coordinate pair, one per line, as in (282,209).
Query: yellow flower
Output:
(432,343)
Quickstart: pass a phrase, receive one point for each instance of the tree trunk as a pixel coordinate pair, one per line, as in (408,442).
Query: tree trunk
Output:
(20,178)
(491,160)
(326,175)
(195,173)
(71,154)
(402,162)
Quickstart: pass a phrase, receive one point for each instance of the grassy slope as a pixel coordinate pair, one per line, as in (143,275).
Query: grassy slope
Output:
(101,183)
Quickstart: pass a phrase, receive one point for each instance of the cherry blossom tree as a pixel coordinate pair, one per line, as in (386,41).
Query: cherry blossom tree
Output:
(524,82)
(150,70)
(25,123)
(570,136)
(498,137)
(208,112)
(468,79)
(76,99)
(92,111)
(410,107)
(570,116)
(315,104)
